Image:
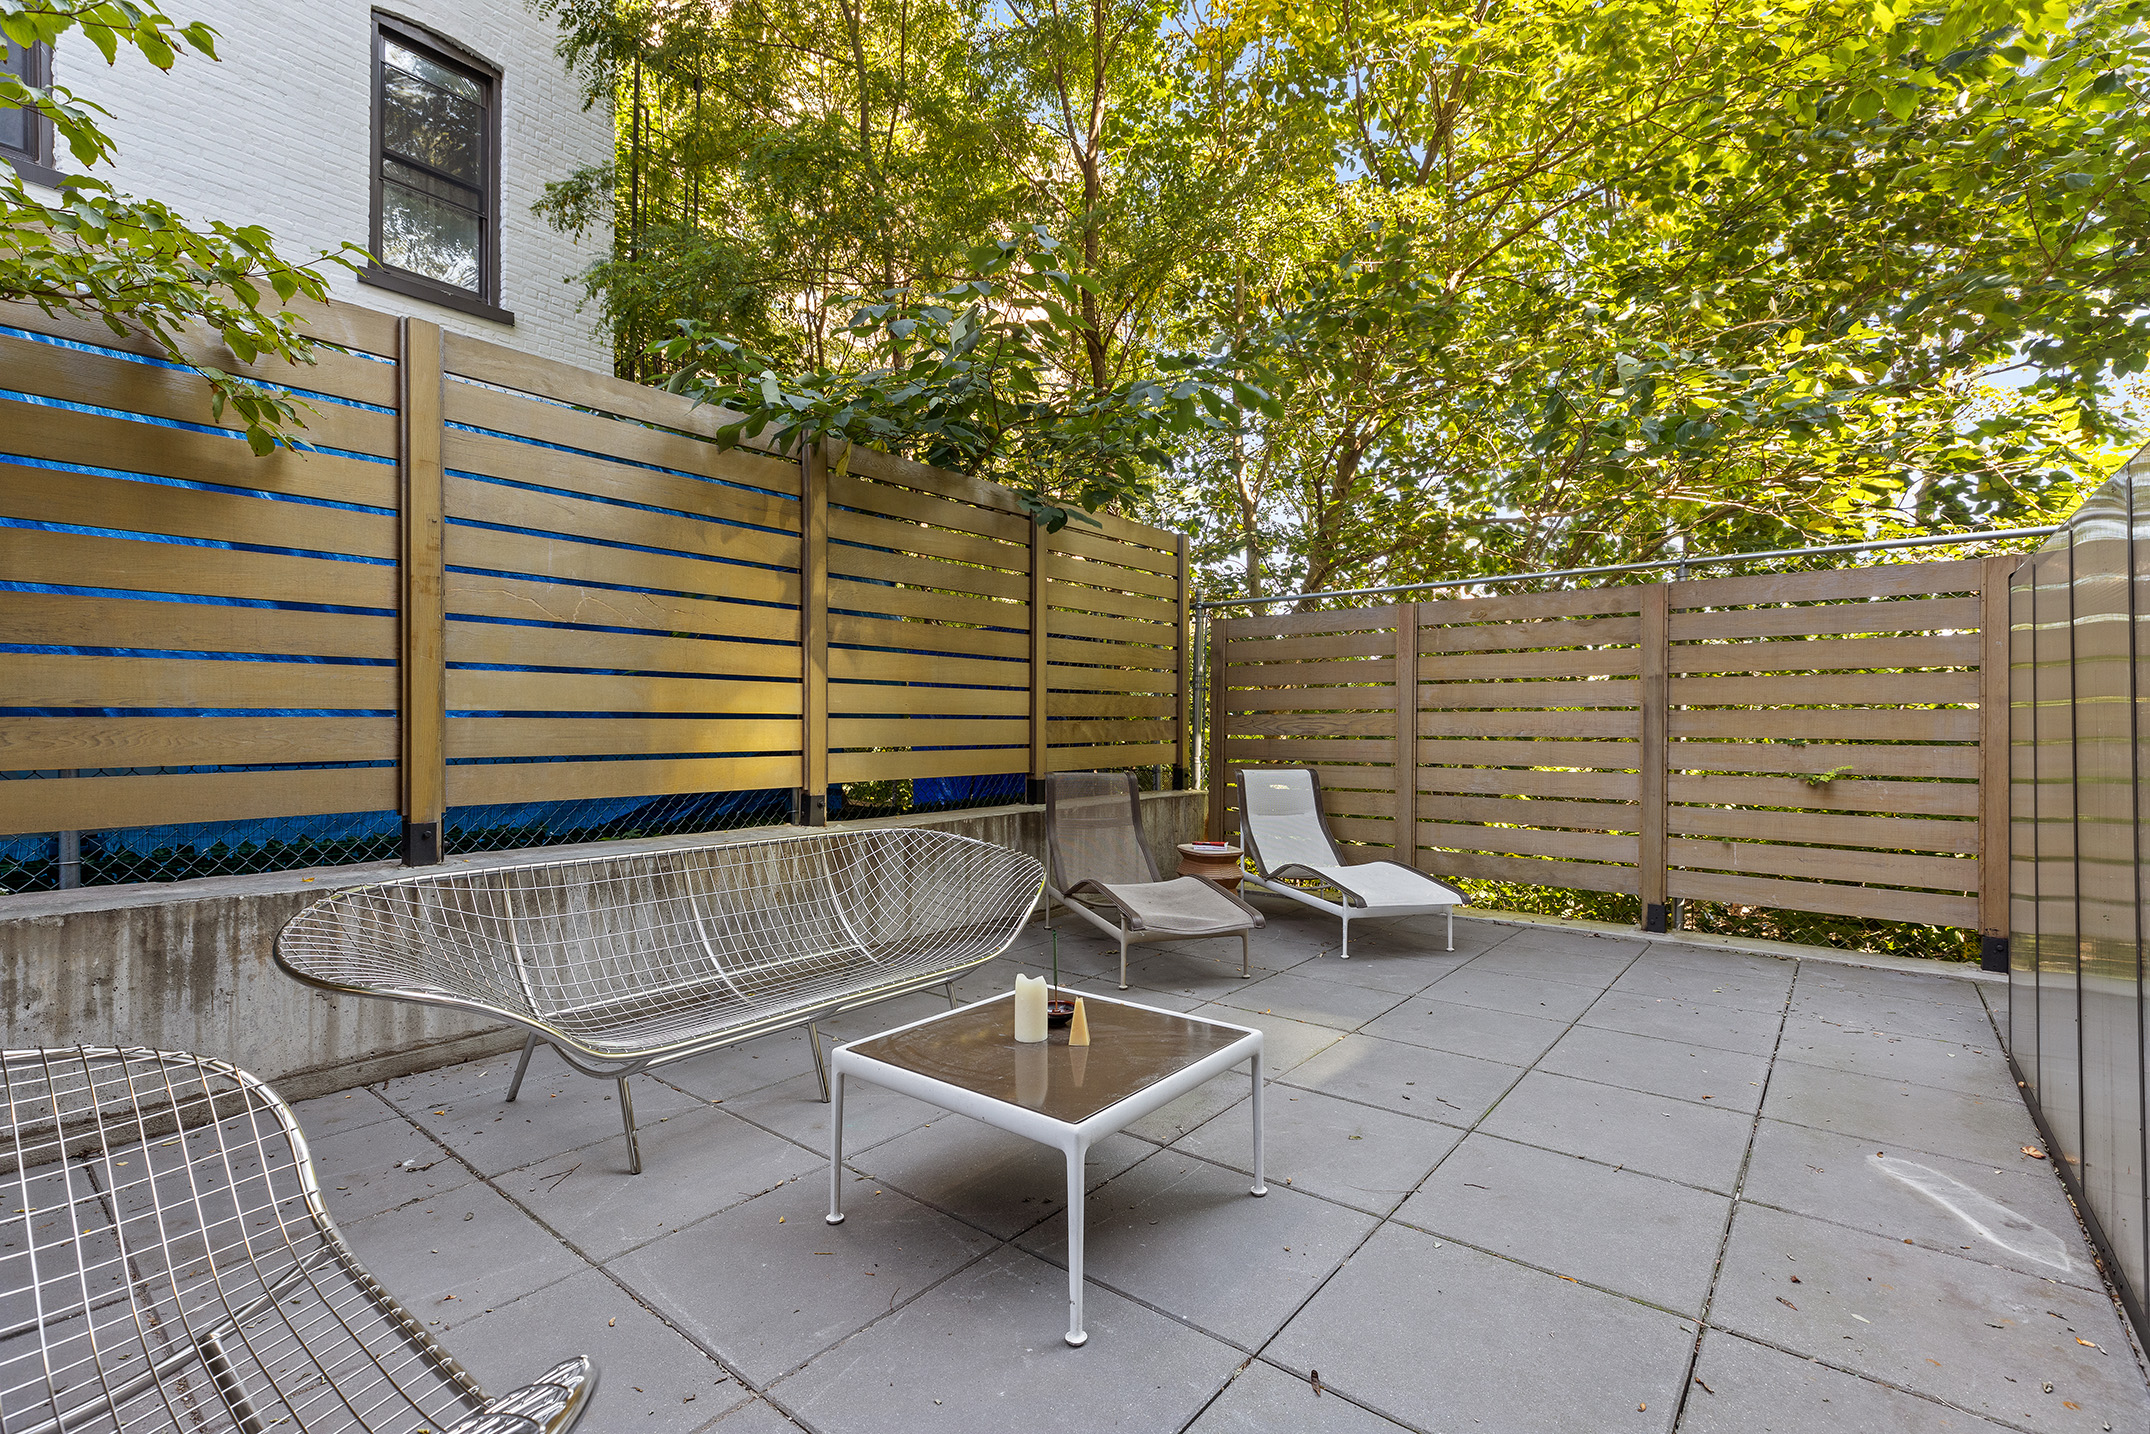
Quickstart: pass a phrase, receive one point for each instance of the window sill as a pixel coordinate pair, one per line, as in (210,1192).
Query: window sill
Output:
(34,173)
(413,286)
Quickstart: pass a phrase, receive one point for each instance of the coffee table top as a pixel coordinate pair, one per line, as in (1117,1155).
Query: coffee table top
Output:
(974,1049)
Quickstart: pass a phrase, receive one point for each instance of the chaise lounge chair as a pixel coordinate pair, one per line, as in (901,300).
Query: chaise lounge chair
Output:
(1096,853)
(1288,838)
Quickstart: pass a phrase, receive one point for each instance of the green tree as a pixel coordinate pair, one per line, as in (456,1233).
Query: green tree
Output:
(133,263)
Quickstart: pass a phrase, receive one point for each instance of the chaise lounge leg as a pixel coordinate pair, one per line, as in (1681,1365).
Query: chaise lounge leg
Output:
(1451,928)
(1346,956)
(627,1118)
(821,1071)
(1245,958)
(522,1065)
(1123,960)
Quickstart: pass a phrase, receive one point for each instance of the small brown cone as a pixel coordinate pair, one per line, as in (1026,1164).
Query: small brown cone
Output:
(1079,1028)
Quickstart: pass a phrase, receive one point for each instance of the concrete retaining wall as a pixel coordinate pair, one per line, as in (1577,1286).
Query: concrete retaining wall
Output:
(186,965)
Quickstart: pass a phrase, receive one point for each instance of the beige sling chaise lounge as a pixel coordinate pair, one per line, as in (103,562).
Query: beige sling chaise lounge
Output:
(1096,853)
(1289,840)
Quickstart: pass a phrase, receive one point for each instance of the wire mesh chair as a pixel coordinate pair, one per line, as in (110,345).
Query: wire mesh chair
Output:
(166,1264)
(1093,837)
(622,963)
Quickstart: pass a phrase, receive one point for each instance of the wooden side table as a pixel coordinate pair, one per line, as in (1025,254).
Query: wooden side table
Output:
(1218,864)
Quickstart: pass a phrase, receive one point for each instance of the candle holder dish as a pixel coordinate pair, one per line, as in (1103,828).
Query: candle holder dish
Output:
(1058,1013)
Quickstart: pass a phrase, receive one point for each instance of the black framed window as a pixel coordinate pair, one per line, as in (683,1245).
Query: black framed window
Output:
(436,170)
(26,135)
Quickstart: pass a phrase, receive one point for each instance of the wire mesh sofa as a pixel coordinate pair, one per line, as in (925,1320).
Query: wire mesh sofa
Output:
(166,1264)
(623,963)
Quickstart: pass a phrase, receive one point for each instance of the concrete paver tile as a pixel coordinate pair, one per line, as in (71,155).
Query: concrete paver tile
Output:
(1764,989)
(1365,1157)
(1186,1237)
(1431,1334)
(1749,1388)
(1728,1080)
(748,1066)
(650,1377)
(1001,1183)
(366,1169)
(458,1254)
(2015,1215)
(987,1344)
(1305,998)
(694,1165)
(1975,1068)
(1554,1211)
(1725,1027)
(1980,1337)
(1677,1139)
(558,1109)
(1522,995)
(1468,1030)
(1990,1129)
(768,1285)
(1414,1080)
(1262,1399)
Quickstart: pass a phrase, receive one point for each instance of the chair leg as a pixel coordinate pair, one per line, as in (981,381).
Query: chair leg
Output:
(627,1118)
(522,1065)
(1346,956)
(1451,928)
(1245,958)
(821,1071)
(1123,960)
(948,988)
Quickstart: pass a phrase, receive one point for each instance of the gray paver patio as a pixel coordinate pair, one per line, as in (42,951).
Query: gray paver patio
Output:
(1499,1201)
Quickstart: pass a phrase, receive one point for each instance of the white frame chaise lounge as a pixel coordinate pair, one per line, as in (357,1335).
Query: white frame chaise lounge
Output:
(1288,838)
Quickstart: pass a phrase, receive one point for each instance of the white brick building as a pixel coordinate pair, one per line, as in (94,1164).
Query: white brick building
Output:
(284,132)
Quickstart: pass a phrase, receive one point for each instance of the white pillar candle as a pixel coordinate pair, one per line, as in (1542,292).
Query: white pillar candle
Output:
(1029,1009)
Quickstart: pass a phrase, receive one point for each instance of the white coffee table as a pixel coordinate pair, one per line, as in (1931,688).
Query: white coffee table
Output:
(967,1060)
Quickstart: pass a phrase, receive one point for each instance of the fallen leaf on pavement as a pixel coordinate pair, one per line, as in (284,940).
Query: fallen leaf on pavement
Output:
(2034,1152)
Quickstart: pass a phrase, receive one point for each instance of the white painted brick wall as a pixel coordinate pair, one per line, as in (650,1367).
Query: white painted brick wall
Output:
(278,134)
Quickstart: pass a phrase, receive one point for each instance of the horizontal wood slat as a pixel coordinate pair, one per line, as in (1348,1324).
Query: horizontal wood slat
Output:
(1067,568)
(540,425)
(1754,858)
(534,601)
(1818,760)
(1871,903)
(616,736)
(1267,659)
(483,691)
(95,803)
(1822,724)
(33,679)
(99,440)
(1079,651)
(1084,759)
(1948,799)
(928,732)
(1370,698)
(611,522)
(1113,629)
(1529,841)
(1493,666)
(1529,871)
(1529,607)
(902,635)
(849,490)
(851,664)
(1809,689)
(1900,615)
(1600,692)
(1533,812)
(72,620)
(925,572)
(500,643)
(29,744)
(28,555)
(1880,580)
(598,478)
(901,537)
(1616,755)
(1618,724)
(1509,781)
(1827,828)
(1522,636)
(888,766)
(594,563)
(1309,724)
(1064,677)
(862,697)
(1235,630)
(571,781)
(1826,653)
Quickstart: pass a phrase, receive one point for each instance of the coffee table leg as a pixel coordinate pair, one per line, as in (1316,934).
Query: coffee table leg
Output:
(1259,1187)
(1076,1334)
(836,1148)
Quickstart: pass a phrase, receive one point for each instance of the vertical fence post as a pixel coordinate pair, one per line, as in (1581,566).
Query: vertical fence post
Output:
(1993,761)
(1183,663)
(1040,640)
(424,616)
(1655,695)
(1406,763)
(812,806)
(1217,827)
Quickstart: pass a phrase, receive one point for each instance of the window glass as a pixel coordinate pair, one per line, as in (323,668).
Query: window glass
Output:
(19,128)
(435,190)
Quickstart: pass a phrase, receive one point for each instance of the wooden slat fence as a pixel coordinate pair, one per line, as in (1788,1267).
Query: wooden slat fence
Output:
(495,578)
(1829,742)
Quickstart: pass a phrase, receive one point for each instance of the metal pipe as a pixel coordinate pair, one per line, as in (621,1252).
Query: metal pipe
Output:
(1682,563)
